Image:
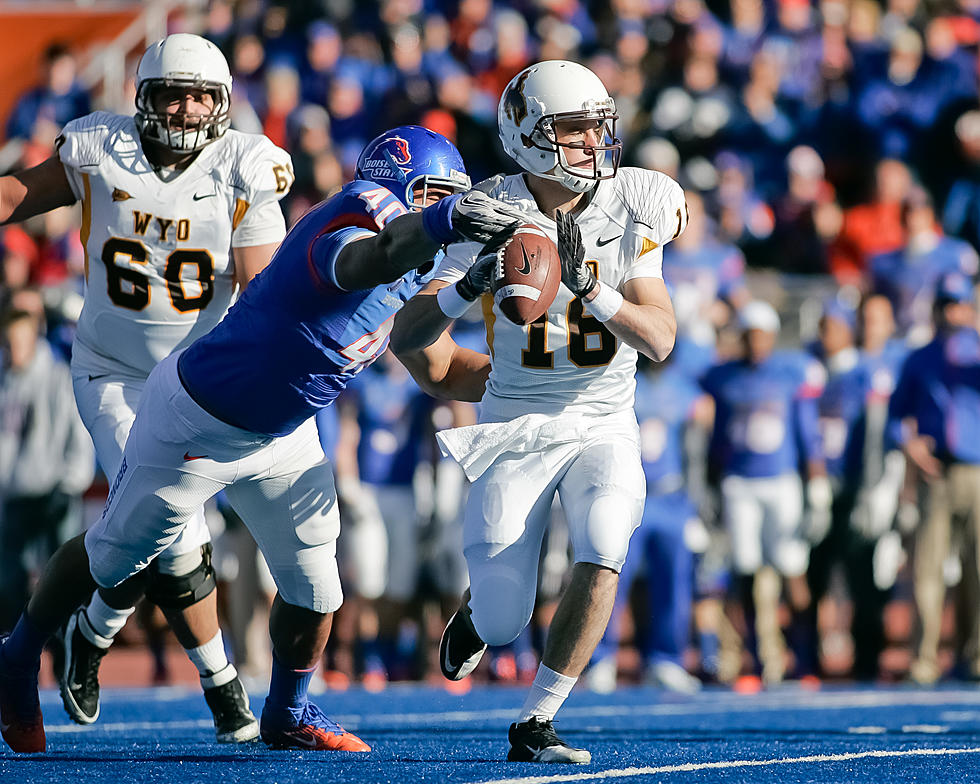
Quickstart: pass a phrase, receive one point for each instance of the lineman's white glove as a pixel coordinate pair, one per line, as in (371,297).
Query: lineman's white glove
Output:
(819,497)
(876,506)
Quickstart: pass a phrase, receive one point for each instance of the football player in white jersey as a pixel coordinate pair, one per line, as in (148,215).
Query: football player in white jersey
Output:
(557,395)
(178,214)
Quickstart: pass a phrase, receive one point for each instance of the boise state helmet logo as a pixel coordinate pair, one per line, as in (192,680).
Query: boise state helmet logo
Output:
(399,151)
(391,158)
(402,158)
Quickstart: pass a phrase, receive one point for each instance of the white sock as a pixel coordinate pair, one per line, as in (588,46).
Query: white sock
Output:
(105,621)
(85,627)
(549,690)
(210,658)
(220,678)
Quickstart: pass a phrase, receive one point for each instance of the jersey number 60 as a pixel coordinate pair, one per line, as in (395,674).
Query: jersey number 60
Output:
(129,288)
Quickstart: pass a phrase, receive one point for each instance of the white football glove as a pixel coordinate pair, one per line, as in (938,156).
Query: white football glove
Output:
(482,219)
(876,506)
(887,559)
(819,498)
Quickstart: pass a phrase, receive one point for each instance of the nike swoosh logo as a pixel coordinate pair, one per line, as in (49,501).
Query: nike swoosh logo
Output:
(526,269)
(600,242)
(189,456)
(305,740)
(199,196)
(101,375)
(448,665)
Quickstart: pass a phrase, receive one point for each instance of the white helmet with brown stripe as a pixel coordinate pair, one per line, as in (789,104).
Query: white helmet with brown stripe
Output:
(543,94)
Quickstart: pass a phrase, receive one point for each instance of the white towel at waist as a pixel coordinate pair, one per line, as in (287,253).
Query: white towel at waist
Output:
(476,447)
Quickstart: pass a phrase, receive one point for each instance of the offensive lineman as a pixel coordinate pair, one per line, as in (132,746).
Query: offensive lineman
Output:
(557,395)
(235,412)
(178,212)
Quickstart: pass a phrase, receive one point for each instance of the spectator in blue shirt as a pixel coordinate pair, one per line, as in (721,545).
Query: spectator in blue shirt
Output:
(323,53)
(908,275)
(58,99)
(744,36)
(961,212)
(898,105)
(706,277)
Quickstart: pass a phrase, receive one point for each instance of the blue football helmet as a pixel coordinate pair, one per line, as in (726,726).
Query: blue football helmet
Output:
(404,157)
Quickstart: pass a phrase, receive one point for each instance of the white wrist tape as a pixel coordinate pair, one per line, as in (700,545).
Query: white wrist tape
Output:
(451,303)
(606,303)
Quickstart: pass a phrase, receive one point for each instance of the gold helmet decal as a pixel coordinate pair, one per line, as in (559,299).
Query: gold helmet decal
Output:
(515,104)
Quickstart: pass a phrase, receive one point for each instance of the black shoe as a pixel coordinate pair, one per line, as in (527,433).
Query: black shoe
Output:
(78,676)
(233,721)
(535,740)
(460,648)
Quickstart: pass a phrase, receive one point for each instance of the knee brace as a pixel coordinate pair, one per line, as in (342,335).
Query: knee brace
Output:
(176,592)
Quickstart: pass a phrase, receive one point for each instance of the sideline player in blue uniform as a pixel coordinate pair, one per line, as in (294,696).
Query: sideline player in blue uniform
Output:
(851,439)
(235,411)
(765,429)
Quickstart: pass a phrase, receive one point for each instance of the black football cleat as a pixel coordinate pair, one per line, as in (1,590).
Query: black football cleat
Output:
(78,675)
(535,740)
(460,648)
(234,722)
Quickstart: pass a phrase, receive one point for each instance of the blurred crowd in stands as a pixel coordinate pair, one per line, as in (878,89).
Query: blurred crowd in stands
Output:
(831,156)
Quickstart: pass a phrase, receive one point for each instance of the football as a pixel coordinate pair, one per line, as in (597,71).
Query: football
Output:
(528,277)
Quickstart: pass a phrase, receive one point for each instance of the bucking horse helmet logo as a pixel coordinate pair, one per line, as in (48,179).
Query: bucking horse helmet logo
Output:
(515,104)
(399,151)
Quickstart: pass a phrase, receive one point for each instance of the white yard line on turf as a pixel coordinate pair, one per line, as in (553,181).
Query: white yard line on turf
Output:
(720,704)
(130,726)
(696,766)
(734,704)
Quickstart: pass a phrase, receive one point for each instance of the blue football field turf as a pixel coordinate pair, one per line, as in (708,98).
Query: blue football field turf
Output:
(164,736)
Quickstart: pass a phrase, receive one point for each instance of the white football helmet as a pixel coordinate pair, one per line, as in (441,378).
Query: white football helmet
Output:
(182,60)
(557,90)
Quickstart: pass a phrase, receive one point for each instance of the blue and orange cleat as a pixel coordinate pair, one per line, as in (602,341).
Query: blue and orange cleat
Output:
(21,723)
(306,728)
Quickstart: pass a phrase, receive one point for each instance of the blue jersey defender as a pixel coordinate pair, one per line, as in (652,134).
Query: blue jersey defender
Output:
(235,411)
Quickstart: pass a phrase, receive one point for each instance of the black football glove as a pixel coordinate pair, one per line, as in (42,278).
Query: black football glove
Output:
(483,219)
(484,271)
(575,273)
